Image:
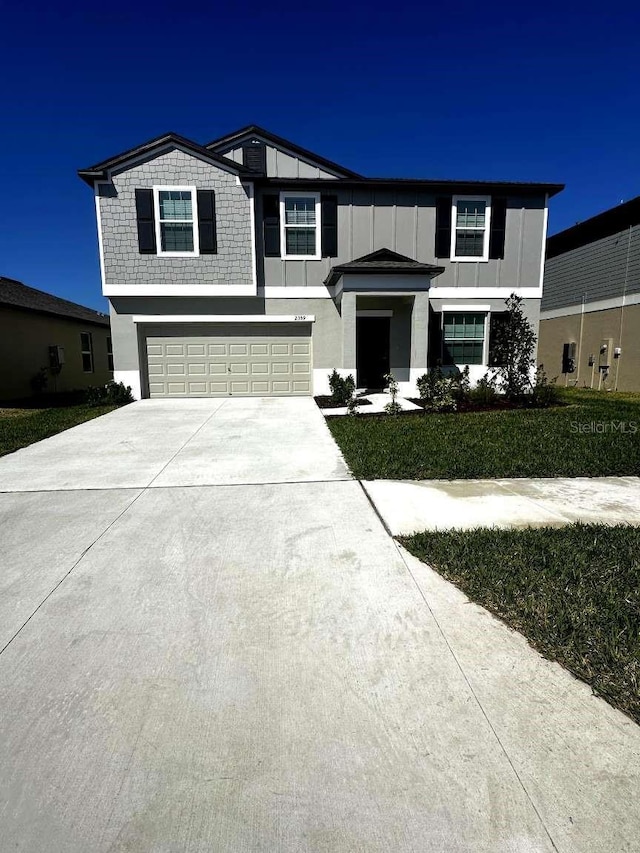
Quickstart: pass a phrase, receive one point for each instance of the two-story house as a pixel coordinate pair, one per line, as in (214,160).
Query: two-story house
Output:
(251,266)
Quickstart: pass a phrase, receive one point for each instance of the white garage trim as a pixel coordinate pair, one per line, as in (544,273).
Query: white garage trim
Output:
(224,318)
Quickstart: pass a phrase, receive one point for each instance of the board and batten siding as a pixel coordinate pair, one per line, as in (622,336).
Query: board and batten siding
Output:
(604,269)
(123,263)
(283,165)
(405,222)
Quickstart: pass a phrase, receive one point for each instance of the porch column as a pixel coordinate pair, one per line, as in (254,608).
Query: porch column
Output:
(419,336)
(348,309)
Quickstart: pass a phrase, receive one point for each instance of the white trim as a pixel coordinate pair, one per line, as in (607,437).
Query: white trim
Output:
(96,186)
(484,292)
(130,378)
(88,352)
(543,251)
(168,146)
(270,292)
(454,228)
(466,308)
(179,290)
(277,147)
(375,312)
(223,318)
(590,307)
(284,194)
(252,217)
(194,221)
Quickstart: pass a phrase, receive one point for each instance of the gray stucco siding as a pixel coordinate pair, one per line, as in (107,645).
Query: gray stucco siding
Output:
(326,331)
(405,222)
(123,263)
(604,269)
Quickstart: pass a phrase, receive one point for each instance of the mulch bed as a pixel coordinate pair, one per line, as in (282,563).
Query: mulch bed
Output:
(327,402)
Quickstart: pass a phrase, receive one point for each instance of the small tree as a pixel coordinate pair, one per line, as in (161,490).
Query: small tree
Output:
(394,407)
(342,388)
(513,350)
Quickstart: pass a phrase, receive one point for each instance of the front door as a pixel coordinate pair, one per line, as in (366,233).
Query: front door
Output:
(372,351)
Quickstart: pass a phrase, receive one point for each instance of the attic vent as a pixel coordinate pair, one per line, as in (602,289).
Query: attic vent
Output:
(254,156)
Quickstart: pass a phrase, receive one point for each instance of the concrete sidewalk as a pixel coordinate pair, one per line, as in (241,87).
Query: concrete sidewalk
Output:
(409,506)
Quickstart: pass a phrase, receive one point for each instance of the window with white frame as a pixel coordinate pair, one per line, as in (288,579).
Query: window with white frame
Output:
(300,224)
(109,354)
(463,336)
(86,350)
(176,217)
(470,217)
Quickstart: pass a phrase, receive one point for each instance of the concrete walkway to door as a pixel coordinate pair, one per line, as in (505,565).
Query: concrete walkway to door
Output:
(209,642)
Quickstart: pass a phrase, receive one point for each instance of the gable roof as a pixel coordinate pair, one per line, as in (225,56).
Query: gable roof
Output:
(279,141)
(100,170)
(598,227)
(382,261)
(19,295)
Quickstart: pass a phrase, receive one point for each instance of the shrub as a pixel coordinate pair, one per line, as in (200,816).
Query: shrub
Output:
(545,392)
(392,408)
(437,391)
(485,392)
(461,385)
(39,381)
(113,393)
(342,388)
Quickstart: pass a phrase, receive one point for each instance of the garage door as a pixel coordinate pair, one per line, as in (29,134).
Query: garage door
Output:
(251,360)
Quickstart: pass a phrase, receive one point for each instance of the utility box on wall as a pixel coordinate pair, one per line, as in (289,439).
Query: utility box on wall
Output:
(569,357)
(606,354)
(56,358)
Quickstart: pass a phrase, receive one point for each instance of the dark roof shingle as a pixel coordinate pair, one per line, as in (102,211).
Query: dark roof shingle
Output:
(19,295)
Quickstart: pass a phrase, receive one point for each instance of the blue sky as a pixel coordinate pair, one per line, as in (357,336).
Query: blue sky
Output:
(544,91)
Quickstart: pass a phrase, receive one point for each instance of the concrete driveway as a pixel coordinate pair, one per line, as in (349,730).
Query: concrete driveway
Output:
(209,643)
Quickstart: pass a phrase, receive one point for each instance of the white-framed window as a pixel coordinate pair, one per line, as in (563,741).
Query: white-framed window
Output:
(470,222)
(86,350)
(176,221)
(109,353)
(300,225)
(464,337)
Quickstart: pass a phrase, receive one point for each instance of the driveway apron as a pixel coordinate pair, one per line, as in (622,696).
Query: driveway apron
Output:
(210,643)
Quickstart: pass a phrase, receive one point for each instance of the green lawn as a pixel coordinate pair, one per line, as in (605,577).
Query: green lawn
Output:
(556,442)
(574,592)
(20,427)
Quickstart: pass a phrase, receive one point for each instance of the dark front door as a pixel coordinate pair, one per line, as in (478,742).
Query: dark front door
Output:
(372,351)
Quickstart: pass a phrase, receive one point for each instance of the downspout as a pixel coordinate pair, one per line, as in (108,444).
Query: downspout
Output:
(579,356)
(624,297)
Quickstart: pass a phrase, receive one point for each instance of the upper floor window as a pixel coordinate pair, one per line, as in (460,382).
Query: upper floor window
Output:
(86,349)
(176,218)
(470,216)
(300,223)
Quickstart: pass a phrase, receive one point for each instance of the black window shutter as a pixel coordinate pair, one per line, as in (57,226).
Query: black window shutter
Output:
(498,224)
(271,225)
(329,226)
(254,157)
(207,222)
(146,222)
(443,227)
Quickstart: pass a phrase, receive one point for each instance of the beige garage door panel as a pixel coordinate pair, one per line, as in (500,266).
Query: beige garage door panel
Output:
(260,361)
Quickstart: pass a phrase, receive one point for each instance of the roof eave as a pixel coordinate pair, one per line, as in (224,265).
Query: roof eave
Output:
(284,143)
(100,171)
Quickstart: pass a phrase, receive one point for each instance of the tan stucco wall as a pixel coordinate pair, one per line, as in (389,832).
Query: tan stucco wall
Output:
(597,326)
(25,338)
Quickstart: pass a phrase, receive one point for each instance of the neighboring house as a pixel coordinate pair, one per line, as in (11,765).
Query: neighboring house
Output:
(590,321)
(41,334)
(252,266)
